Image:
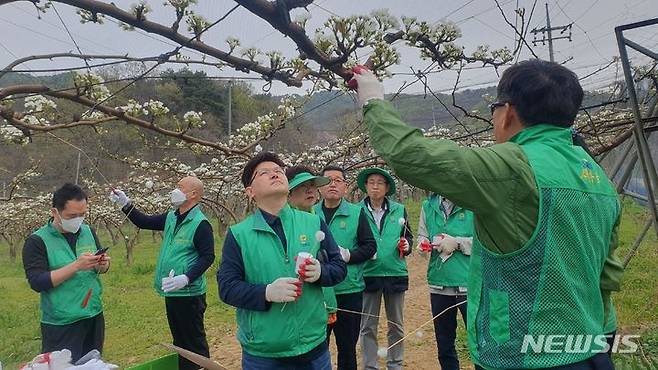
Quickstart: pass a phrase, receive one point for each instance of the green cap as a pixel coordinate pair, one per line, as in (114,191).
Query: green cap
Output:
(362,177)
(304,177)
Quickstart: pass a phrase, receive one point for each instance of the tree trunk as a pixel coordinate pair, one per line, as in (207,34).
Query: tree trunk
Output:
(13,252)
(112,234)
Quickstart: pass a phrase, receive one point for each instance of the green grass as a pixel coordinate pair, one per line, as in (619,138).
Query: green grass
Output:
(136,322)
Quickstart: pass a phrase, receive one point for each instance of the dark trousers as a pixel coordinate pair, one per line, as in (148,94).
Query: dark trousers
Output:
(445,328)
(601,361)
(250,362)
(185,316)
(346,329)
(79,337)
(611,341)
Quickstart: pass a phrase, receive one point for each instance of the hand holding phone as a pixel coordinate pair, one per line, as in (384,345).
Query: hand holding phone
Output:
(101,251)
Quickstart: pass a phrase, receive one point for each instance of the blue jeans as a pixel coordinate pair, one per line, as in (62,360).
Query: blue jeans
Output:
(249,362)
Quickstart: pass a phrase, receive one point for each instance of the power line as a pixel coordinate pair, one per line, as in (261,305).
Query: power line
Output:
(254,43)
(325,9)
(582,29)
(36,32)
(41,19)
(482,12)
(70,35)
(586,11)
(7,50)
(547,31)
(454,11)
(494,29)
(161,59)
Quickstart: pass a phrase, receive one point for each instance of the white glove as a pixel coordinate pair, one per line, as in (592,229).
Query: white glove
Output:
(312,271)
(368,86)
(283,289)
(344,253)
(174,283)
(119,197)
(448,245)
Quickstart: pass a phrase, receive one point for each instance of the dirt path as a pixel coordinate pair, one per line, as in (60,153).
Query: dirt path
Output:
(420,347)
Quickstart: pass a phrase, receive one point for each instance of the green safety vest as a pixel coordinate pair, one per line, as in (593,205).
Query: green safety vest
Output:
(177,252)
(388,262)
(454,271)
(62,304)
(551,285)
(301,325)
(344,226)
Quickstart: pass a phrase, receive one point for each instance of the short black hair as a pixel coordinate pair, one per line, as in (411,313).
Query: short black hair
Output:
(332,167)
(293,171)
(250,166)
(541,92)
(67,192)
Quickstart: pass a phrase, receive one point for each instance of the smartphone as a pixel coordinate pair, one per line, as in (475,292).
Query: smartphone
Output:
(101,251)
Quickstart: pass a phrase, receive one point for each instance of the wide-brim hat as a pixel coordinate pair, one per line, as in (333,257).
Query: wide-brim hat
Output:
(305,177)
(362,177)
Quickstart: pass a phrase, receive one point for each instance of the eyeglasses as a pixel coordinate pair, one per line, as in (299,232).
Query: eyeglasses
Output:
(267,171)
(336,180)
(497,104)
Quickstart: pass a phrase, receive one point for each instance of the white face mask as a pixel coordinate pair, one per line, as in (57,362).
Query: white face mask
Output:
(177,197)
(71,225)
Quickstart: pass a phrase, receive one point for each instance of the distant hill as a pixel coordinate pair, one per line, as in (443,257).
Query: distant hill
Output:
(57,81)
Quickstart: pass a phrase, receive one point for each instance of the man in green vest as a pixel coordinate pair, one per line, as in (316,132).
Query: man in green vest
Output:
(303,185)
(385,275)
(350,227)
(448,230)
(546,219)
(186,252)
(62,260)
(271,273)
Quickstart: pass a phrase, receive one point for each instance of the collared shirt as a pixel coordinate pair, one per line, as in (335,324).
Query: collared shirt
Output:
(389,284)
(378,214)
(446,206)
(367,246)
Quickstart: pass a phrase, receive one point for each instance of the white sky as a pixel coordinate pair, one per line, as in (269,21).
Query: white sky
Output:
(593,45)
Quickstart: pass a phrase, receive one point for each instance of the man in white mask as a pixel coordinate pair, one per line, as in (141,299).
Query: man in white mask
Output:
(62,260)
(186,252)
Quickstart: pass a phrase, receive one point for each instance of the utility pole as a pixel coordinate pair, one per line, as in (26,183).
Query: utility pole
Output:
(547,34)
(230,97)
(433,116)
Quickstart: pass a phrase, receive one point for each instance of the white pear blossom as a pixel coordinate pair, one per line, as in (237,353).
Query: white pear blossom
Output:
(155,108)
(194,119)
